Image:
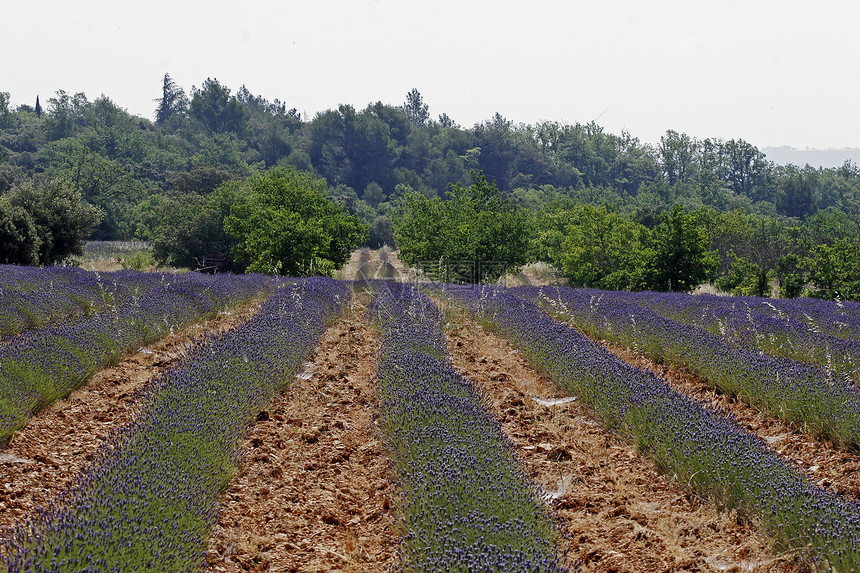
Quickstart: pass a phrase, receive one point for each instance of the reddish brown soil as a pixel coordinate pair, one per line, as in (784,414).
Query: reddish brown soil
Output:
(826,464)
(43,458)
(618,512)
(313,492)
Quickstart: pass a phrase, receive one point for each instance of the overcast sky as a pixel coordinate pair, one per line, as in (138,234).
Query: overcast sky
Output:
(773,73)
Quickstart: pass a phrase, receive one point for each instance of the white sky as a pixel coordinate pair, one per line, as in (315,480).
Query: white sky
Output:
(780,72)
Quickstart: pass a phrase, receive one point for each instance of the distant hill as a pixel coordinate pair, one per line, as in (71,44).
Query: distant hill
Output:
(826,158)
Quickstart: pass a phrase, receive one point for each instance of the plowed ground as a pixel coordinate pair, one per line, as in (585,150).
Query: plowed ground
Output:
(42,459)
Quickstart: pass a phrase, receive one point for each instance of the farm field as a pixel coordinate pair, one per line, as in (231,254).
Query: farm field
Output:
(365,425)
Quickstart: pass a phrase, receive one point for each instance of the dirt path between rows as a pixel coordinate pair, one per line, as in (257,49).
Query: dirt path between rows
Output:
(47,454)
(354,268)
(826,464)
(313,492)
(616,510)
(369,264)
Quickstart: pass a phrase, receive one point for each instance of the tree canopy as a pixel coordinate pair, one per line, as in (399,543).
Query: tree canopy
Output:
(681,259)
(476,225)
(52,208)
(19,238)
(603,249)
(285,222)
(773,228)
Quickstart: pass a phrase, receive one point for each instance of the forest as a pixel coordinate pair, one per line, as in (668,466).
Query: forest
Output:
(605,209)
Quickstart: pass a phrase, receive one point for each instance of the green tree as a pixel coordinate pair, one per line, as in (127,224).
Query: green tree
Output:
(373,194)
(218,111)
(476,225)
(187,228)
(834,270)
(681,259)
(103,182)
(750,248)
(65,114)
(284,222)
(62,218)
(798,194)
(420,228)
(791,273)
(5,113)
(551,221)
(729,233)
(602,249)
(381,233)
(829,225)
(678,154)
(221,151)
(745,277)
(19,238)
(746,170)
(415,108)
(173,101)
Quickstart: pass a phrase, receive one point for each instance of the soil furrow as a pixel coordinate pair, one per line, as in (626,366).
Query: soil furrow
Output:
(617,512)
(48,453)
(826,464)
(312,493)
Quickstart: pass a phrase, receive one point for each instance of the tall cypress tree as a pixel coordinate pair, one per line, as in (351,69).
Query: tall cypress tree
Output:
(38,107)
(173,101)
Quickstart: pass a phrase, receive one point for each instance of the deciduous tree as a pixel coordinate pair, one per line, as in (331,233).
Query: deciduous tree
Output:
(681,259)
(602,249)
(218,111)
(19,238)
(476,225)
(62,219)
(284,222)
(834,270)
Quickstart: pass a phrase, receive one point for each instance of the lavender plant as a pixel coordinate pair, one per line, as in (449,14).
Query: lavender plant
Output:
(151,496)
(466,505)
(777,328)
(704,448)
(36,297)
(33,297)
(824,404)
(814,316)
(41,366)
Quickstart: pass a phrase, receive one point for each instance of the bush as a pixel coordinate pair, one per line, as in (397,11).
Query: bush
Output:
(19,238)
(62,219)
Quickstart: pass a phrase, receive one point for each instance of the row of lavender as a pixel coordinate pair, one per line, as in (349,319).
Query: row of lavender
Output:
(41,366)
(839,319)
(33,297)
(825,404)
(150,499)
(703,447)
(466,505)
(792,329)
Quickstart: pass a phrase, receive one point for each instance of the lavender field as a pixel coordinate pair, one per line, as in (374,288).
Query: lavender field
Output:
(463,492)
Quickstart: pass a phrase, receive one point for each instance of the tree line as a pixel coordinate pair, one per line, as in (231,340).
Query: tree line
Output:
(604,245)
(168,180)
